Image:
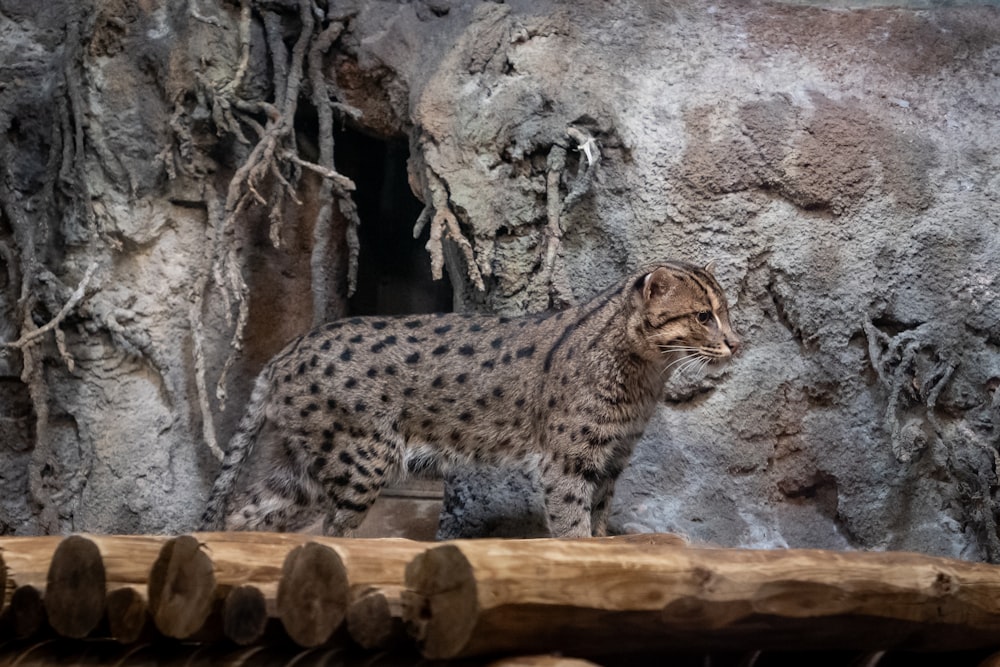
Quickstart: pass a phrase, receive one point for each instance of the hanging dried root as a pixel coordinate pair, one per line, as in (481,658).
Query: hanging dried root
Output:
(34,334)
(445,224)
(556,207)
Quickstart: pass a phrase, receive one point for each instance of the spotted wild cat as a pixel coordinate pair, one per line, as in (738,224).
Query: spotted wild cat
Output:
(354,403)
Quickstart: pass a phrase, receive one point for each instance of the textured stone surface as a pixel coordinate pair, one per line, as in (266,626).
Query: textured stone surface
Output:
(840,165)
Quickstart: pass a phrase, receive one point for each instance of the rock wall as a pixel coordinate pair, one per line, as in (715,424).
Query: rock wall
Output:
(839,165)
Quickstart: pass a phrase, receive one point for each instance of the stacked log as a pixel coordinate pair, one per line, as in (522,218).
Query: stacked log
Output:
(583,598)
(26,566)
(238,584)
(472,598)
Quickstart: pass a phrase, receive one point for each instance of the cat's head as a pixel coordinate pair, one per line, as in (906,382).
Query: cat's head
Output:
(683,314)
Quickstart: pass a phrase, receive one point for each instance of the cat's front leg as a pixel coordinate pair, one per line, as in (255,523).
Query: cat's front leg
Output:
(568,500)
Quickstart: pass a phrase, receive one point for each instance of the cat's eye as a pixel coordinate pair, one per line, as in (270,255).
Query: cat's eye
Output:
(704,317)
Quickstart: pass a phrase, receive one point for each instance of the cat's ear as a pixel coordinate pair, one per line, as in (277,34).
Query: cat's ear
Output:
(710,268)
(657,284)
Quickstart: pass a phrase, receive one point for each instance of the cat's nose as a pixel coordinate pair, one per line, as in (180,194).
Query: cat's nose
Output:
(734,343)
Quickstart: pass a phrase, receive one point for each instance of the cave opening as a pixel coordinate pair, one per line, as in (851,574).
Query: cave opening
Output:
(394,275)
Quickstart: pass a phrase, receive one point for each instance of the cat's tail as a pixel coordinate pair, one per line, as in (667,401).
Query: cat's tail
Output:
(237,453)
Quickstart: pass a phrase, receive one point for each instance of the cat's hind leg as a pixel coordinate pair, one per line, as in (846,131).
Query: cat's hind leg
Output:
(352,477)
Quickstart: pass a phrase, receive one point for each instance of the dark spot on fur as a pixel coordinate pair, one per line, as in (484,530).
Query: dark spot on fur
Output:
(390,370)
(498,392)
(328,371)
(333,326)
(302,368)
(362,470)
(425,424)
(384,398)
(288,400)
(461,378)
(438,382)
(350,383)
(496,343)
(488,364)
(433,409)
(346,458)
(360,488)
(346,354)
(314,388)
(481,402)
(357,338)
(327,446)
(313,361)
(409,391)
(504,320)
(506,358)
(439,350)
(466,350)
(360,407)
(413,324)
(351,506)
(379,324)
(341,480)
(526,352)
(552,402)
(413,358)
(465,417)
(475,327)
(443,329)
(519,402)
(378,347)
(338,427)
(327,344)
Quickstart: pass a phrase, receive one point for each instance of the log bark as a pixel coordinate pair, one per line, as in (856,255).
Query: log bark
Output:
(477,597)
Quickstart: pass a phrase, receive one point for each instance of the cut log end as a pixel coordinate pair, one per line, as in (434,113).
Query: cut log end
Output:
(440,608)
(181,588)
(244,615)
(374,616)
(75,588)
(25,615)
(312,594)
(128,614)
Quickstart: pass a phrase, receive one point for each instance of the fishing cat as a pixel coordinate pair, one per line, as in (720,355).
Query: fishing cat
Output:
(354,403)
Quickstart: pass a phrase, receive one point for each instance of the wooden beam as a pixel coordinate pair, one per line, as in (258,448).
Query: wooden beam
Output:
(493,596)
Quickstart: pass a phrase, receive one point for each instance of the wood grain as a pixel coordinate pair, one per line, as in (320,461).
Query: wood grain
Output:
(477,597)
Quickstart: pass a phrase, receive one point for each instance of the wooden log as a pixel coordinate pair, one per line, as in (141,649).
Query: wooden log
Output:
(244,614)
(541,661)
(312,594)
(478,597)
(128,614)
(26,566)
(85,569)
(375,616)
(303,580)
(24,616)
(75,587)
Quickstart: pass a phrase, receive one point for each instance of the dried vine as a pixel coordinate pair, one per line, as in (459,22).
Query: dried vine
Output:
(269,176)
